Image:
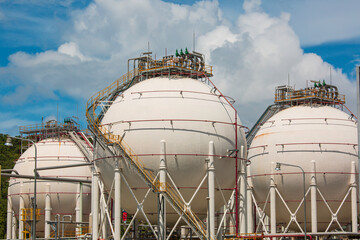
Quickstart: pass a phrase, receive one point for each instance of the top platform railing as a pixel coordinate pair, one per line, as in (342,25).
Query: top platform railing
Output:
(315,95)
(177,62)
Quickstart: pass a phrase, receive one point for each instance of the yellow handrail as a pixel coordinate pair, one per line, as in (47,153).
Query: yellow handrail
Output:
(111,138)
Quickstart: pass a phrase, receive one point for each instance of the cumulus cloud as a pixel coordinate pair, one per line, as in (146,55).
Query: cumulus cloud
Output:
(250,57)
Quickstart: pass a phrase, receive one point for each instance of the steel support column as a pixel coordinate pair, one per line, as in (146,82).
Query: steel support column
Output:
(249,205)
(242,197)
(21,206)
(211,186)
(117,203)
(162,180)
(272,201)
(313,197)
(9,218)
(354,221)
(95,205)
(47,211)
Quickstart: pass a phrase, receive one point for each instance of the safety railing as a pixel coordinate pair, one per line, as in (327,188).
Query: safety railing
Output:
(148,176)
(314,93)
(177,62)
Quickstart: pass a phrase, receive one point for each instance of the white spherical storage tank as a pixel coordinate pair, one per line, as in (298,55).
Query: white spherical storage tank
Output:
(187,114)
(320,139)
(52,152)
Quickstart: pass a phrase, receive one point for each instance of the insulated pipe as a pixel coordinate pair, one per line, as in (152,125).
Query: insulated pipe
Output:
(313,197)
(162,188)
(242,197)
(9,218)
(211,182)
(47,211)
(95,205)
(21,206)
(272,201)
(249,206)
(353,198)
(117,203)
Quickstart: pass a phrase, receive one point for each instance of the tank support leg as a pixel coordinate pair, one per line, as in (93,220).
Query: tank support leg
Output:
(9,219)
(21,206)
(242,196)
(13,227)
(117,203)
(47,211)
(211,183)
(353,198)
(249,208)
(162,188)
(95,205)
(78,209)
(272,201)
(313,198)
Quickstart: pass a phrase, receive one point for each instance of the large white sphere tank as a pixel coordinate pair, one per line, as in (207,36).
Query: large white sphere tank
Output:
(302,136)
(187,114)
(52,152)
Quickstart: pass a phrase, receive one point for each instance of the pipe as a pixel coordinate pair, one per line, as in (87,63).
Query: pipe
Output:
(274,235)
(64,166)
(46,178)
(211,183)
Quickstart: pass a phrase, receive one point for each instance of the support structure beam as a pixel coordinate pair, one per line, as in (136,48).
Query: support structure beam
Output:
(21,206)
(78,209)
(95,204)
(272,201)
(249,205)
(117,203)
(242,196)
(47,211)
(358,117)
(211,188)
(9,218)
(313,192)
(354,210)
(162,202)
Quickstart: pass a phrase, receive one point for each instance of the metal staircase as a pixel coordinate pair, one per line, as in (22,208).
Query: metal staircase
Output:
(268,113)
(106,137)
(83,144)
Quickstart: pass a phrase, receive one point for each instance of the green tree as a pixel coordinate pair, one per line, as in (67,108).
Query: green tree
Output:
(8,156)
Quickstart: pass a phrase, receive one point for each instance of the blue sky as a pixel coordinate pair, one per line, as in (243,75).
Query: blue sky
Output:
(55,54)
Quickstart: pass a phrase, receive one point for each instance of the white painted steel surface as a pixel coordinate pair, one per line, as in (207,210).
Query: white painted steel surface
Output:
(52,152)
(173,99)
(323,134)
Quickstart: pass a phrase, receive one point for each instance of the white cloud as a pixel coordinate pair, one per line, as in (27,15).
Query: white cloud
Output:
(250,57)
(320,21)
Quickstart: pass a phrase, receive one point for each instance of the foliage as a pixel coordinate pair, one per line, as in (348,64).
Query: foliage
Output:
(8,155)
